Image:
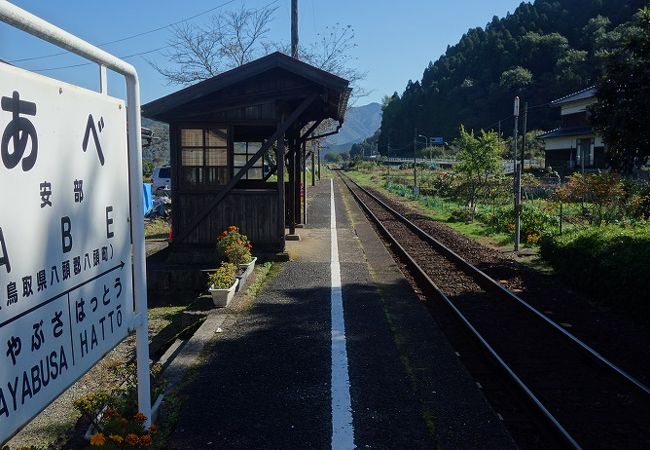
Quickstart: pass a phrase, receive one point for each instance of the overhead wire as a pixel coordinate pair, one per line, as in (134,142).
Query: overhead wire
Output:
(89,63)
(140,34)
(126,38)
(541,105)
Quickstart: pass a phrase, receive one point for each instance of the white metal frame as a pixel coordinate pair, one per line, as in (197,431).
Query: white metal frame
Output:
(36,26)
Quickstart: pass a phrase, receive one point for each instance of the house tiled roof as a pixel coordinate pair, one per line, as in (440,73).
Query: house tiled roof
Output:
(582,94)
(562,132)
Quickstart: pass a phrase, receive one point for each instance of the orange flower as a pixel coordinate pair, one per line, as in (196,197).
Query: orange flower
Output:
(97,440)
(132,439)
(140,418)
(146,440)
(116,438)
(153,428)
(110,412)
(232,228)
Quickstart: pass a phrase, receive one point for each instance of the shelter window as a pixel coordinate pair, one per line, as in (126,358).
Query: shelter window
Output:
(204,156)
(242,153)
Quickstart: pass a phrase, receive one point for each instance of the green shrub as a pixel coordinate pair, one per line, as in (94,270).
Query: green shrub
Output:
(611,262)
(461,215)
(536,222)
(638,199)
(401,190)
(223,277)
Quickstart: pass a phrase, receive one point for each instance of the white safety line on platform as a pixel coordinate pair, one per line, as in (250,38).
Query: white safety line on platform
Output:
(342,429)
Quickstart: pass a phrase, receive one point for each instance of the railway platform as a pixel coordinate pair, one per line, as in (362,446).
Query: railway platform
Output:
(336,352)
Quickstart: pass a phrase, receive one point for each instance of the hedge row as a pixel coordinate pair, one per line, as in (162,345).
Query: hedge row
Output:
(610,262)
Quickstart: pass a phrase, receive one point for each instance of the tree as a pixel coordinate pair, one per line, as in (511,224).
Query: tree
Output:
(516,78)
(333,157)
(147,169)
(557,44)
(238,37)
(332,53)
(231,39)
(479,159)
(623,108)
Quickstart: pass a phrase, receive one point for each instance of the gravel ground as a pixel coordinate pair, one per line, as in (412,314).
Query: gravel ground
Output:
(614,335)
(557,372)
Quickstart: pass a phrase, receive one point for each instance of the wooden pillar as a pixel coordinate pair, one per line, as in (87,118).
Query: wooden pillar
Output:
(313,165)
(280,172)
(297,209)
(292,185)
(304,182)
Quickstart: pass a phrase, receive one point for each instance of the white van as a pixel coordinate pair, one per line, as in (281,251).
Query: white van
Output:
(161,179)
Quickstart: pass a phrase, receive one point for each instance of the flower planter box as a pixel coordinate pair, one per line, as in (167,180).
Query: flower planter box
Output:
(222,297)
(246,271)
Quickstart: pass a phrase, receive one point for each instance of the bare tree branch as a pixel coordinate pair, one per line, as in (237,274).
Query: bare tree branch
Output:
(332,53)
(238,37)
(231,40)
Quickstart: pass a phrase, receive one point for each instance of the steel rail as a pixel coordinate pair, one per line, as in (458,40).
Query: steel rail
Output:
(489,283)
(528,393)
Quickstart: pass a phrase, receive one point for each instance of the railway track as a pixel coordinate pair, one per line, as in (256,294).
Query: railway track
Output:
(586,400)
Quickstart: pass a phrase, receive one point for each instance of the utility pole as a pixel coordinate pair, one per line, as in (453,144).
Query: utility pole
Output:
(415,165)
(523,132)
(516,177)
(294,28)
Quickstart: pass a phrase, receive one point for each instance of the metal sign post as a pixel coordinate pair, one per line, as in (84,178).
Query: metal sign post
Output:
(72,259)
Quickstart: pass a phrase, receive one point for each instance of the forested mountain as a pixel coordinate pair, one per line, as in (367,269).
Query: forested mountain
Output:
(360,122)
(542,51)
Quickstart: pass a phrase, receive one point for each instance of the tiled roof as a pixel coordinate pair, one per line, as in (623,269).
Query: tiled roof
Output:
(562,132)
(582,94)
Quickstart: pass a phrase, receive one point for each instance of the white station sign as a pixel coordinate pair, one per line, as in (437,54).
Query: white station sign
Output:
(66,294)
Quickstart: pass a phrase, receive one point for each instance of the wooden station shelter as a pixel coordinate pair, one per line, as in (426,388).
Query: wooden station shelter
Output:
(233,137)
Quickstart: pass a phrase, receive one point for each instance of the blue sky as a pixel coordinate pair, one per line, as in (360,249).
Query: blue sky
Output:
(395,39)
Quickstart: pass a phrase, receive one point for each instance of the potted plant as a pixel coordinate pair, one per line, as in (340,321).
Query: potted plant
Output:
(223,283)
(235,248)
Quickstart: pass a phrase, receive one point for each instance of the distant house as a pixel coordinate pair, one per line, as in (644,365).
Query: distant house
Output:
(574,146)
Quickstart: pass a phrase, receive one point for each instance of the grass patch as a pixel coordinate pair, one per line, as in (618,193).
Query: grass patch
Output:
(437,209)
(156,229)
(265,272)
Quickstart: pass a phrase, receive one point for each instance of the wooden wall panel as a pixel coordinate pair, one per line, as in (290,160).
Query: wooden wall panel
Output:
(255,212)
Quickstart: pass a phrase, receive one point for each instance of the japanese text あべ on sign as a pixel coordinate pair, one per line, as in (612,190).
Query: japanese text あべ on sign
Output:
(66,294)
